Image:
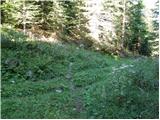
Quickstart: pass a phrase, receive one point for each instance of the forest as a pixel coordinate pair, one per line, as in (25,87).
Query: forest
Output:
(79,59)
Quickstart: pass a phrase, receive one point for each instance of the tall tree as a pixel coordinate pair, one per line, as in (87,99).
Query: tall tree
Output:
(123,23)
(42,17)
(137,34)
(155,40)
(7,9)
(117,9)
(74,19)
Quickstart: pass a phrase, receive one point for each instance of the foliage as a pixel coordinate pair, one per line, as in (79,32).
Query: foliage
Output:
(127,93)
(34,83)
(66,18)
(74,20)
(155,34)
(137,34)
(130,27)
(42,18)
(68,21)
(7,8)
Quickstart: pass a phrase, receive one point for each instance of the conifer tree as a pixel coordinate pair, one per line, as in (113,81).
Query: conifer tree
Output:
(42,17)
(137,34)
(74,20)
(154,42)
(7,10)
(118,9)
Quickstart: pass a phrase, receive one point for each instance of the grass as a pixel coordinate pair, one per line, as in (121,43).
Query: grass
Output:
(34,82)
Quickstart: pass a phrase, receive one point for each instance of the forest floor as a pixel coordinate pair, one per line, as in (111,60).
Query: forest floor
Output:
(44,80)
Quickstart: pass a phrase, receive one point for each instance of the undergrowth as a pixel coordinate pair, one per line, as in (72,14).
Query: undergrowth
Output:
(34,82)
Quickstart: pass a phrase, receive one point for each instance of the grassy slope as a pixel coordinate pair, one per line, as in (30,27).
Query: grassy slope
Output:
(37,87)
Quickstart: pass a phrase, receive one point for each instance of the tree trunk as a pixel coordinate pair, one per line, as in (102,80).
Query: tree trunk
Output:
(123,23)
(24,17)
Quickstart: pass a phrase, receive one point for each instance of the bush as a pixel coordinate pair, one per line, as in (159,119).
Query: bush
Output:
(12,34)
(127,93)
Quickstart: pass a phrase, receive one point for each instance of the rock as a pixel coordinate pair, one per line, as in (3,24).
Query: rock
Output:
(29,74)
(12,63)
(59,91)
(81,45)
(13,81)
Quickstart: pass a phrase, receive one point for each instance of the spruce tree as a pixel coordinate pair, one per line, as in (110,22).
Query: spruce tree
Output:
(7,10)
(41,19)
(117,9)
(155,34)
(74,24)
(137,39)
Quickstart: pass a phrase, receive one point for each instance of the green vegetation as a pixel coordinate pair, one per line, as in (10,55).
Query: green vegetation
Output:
(79,59)
(35,82)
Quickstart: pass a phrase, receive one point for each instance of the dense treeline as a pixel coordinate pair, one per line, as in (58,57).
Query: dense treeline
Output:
(68,21)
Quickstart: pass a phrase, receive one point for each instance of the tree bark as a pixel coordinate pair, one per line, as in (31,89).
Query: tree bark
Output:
(24,17)
(123,23)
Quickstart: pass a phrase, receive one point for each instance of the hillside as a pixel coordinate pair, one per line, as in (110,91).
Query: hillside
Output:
(45,80)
